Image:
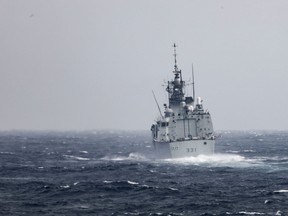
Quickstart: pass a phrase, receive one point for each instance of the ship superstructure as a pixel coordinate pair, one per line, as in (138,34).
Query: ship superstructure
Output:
(185,129)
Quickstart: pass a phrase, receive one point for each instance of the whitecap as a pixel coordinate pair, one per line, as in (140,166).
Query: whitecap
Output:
(65,186)
(75,157)
(251,213)
(260,140)
(173,189)
(10,153)
(131,213)
(267,201)
(107,182)
(132,183)
(231,151)
(281,191)
(114,158)
(84,152)
(248,150)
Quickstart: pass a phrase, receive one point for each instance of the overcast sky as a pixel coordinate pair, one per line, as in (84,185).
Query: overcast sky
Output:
(77,65)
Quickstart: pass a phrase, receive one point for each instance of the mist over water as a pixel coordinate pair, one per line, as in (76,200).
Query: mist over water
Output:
(116,173)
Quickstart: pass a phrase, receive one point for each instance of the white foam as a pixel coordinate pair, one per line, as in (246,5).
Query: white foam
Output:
(251,213)
(281,191)
(275,163)
(131,156)
(131,213)
(214,160)
(231,151)
(248,150)
(84,152)
(137,156)
(267,201)
(260,140)
(11,153)
(173,189)
(75,157)
(132,183)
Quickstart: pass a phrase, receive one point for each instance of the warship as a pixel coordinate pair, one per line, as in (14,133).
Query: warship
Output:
(185,129)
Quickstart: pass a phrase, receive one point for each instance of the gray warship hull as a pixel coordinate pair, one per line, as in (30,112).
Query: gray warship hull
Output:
(186,148)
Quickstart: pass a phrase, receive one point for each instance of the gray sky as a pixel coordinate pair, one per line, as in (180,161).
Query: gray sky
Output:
(92,64)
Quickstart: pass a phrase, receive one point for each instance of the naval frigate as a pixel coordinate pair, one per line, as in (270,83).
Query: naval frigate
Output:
(185,129)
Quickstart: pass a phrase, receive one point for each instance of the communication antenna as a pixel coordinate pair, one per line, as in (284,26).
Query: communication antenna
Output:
(193,83)
(157,105)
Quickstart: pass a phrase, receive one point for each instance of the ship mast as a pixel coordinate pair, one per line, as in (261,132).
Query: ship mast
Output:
(175,87)
(176,71)
(175,66)
(193,83)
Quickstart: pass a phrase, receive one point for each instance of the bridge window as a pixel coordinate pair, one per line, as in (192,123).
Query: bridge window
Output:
(164,124)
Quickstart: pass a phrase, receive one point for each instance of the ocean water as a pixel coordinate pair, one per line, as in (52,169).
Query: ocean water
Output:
(115,173)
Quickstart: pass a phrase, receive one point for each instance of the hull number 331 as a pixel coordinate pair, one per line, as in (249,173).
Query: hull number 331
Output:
(191,149)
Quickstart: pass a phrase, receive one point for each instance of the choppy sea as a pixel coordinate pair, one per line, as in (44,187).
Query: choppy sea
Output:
(116,173)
